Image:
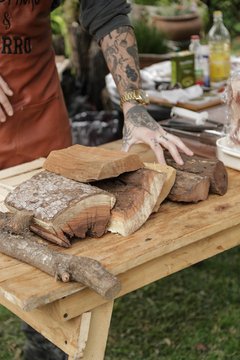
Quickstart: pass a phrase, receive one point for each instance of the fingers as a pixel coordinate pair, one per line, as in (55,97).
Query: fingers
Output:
(5,105)
(5,87)
(157,149)
(171,147)
(180,144)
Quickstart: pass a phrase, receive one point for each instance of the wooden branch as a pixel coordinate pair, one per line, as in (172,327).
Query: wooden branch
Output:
(87,164)
(212,168)
(62,266)
(189,187)
(62,208)
(137,193)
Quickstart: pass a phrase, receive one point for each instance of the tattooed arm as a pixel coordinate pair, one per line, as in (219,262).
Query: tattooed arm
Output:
(121,54)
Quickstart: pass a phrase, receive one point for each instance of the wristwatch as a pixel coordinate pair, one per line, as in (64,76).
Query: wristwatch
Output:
(138,95)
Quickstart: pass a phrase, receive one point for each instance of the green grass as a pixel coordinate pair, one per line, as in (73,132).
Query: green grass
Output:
(191,315)
(11,338)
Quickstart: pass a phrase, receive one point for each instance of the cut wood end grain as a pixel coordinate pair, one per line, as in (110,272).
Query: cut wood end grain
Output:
(62,207)
(170,173)
(189,187)
(136,193)
(212,168)
(87,164)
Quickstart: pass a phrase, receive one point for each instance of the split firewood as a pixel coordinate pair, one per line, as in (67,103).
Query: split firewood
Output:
(64,267)
(212,168)
(189,187)
(168,183)
(87,164)
(136,195)
(62,208)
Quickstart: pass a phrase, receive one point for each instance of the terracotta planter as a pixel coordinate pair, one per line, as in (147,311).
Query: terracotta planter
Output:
(150,59)
(178,28)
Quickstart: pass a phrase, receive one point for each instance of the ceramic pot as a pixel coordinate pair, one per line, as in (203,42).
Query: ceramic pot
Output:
(178,28)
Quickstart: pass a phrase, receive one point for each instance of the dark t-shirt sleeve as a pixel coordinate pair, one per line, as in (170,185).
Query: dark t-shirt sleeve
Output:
(100,17)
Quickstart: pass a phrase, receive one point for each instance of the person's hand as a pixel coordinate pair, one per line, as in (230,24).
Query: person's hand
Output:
(5,105)
(140,127)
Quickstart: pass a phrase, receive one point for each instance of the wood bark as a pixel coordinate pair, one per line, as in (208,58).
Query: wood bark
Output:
(17,241)
(62,208)
(189,187)
(170,173)
(212,168)
(86,164)
(136,195)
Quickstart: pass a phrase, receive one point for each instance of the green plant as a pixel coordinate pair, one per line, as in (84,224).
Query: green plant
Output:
(147,2)
(59,28)
(149,39)
(231,15)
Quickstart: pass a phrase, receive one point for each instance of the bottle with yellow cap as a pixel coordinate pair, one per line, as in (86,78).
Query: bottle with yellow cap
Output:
(219,50)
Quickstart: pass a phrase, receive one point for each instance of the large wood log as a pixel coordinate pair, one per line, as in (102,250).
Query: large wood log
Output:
(17,241)
(136,195)
(168,183)
(86,164)
(62,208)
(189,187)
(212,168)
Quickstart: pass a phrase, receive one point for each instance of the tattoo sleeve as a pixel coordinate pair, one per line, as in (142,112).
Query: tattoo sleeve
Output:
(121,54)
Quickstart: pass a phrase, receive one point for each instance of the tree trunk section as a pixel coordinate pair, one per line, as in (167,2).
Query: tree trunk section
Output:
(189,187)
(62,208)
(212,168)
(136,196)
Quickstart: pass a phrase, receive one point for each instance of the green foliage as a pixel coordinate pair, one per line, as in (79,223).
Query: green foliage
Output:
(231,14)
(11,338)
(147,2)
(58,24)
(149,39)
(59,28)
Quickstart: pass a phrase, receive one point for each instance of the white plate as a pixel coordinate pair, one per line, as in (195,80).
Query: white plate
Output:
(229,155)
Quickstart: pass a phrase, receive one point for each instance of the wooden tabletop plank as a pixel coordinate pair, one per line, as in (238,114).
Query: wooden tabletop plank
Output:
(21,169)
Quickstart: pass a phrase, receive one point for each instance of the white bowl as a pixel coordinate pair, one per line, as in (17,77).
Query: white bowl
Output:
(229,155)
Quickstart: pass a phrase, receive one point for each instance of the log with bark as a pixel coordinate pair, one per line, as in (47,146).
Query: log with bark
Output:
(17,241)
(86,164)
(168,183)
(62,208)
(189,187)
(212,168)
(136,195)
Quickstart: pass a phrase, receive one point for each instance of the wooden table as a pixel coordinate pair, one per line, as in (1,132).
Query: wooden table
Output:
(75,318)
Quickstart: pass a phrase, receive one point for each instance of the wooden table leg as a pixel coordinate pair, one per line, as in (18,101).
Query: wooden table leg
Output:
(98,334)
(83,337)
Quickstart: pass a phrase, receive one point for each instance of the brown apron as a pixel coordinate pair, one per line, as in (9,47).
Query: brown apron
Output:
(27,63)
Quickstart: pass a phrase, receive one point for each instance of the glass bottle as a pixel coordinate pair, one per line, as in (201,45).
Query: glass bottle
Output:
(219,49)
(195,48)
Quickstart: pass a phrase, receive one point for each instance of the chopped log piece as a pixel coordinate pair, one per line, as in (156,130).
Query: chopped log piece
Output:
(62,266)
(213,168)
(136,193)
(62,208)
(189,187)
(168,183)
(87,164)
